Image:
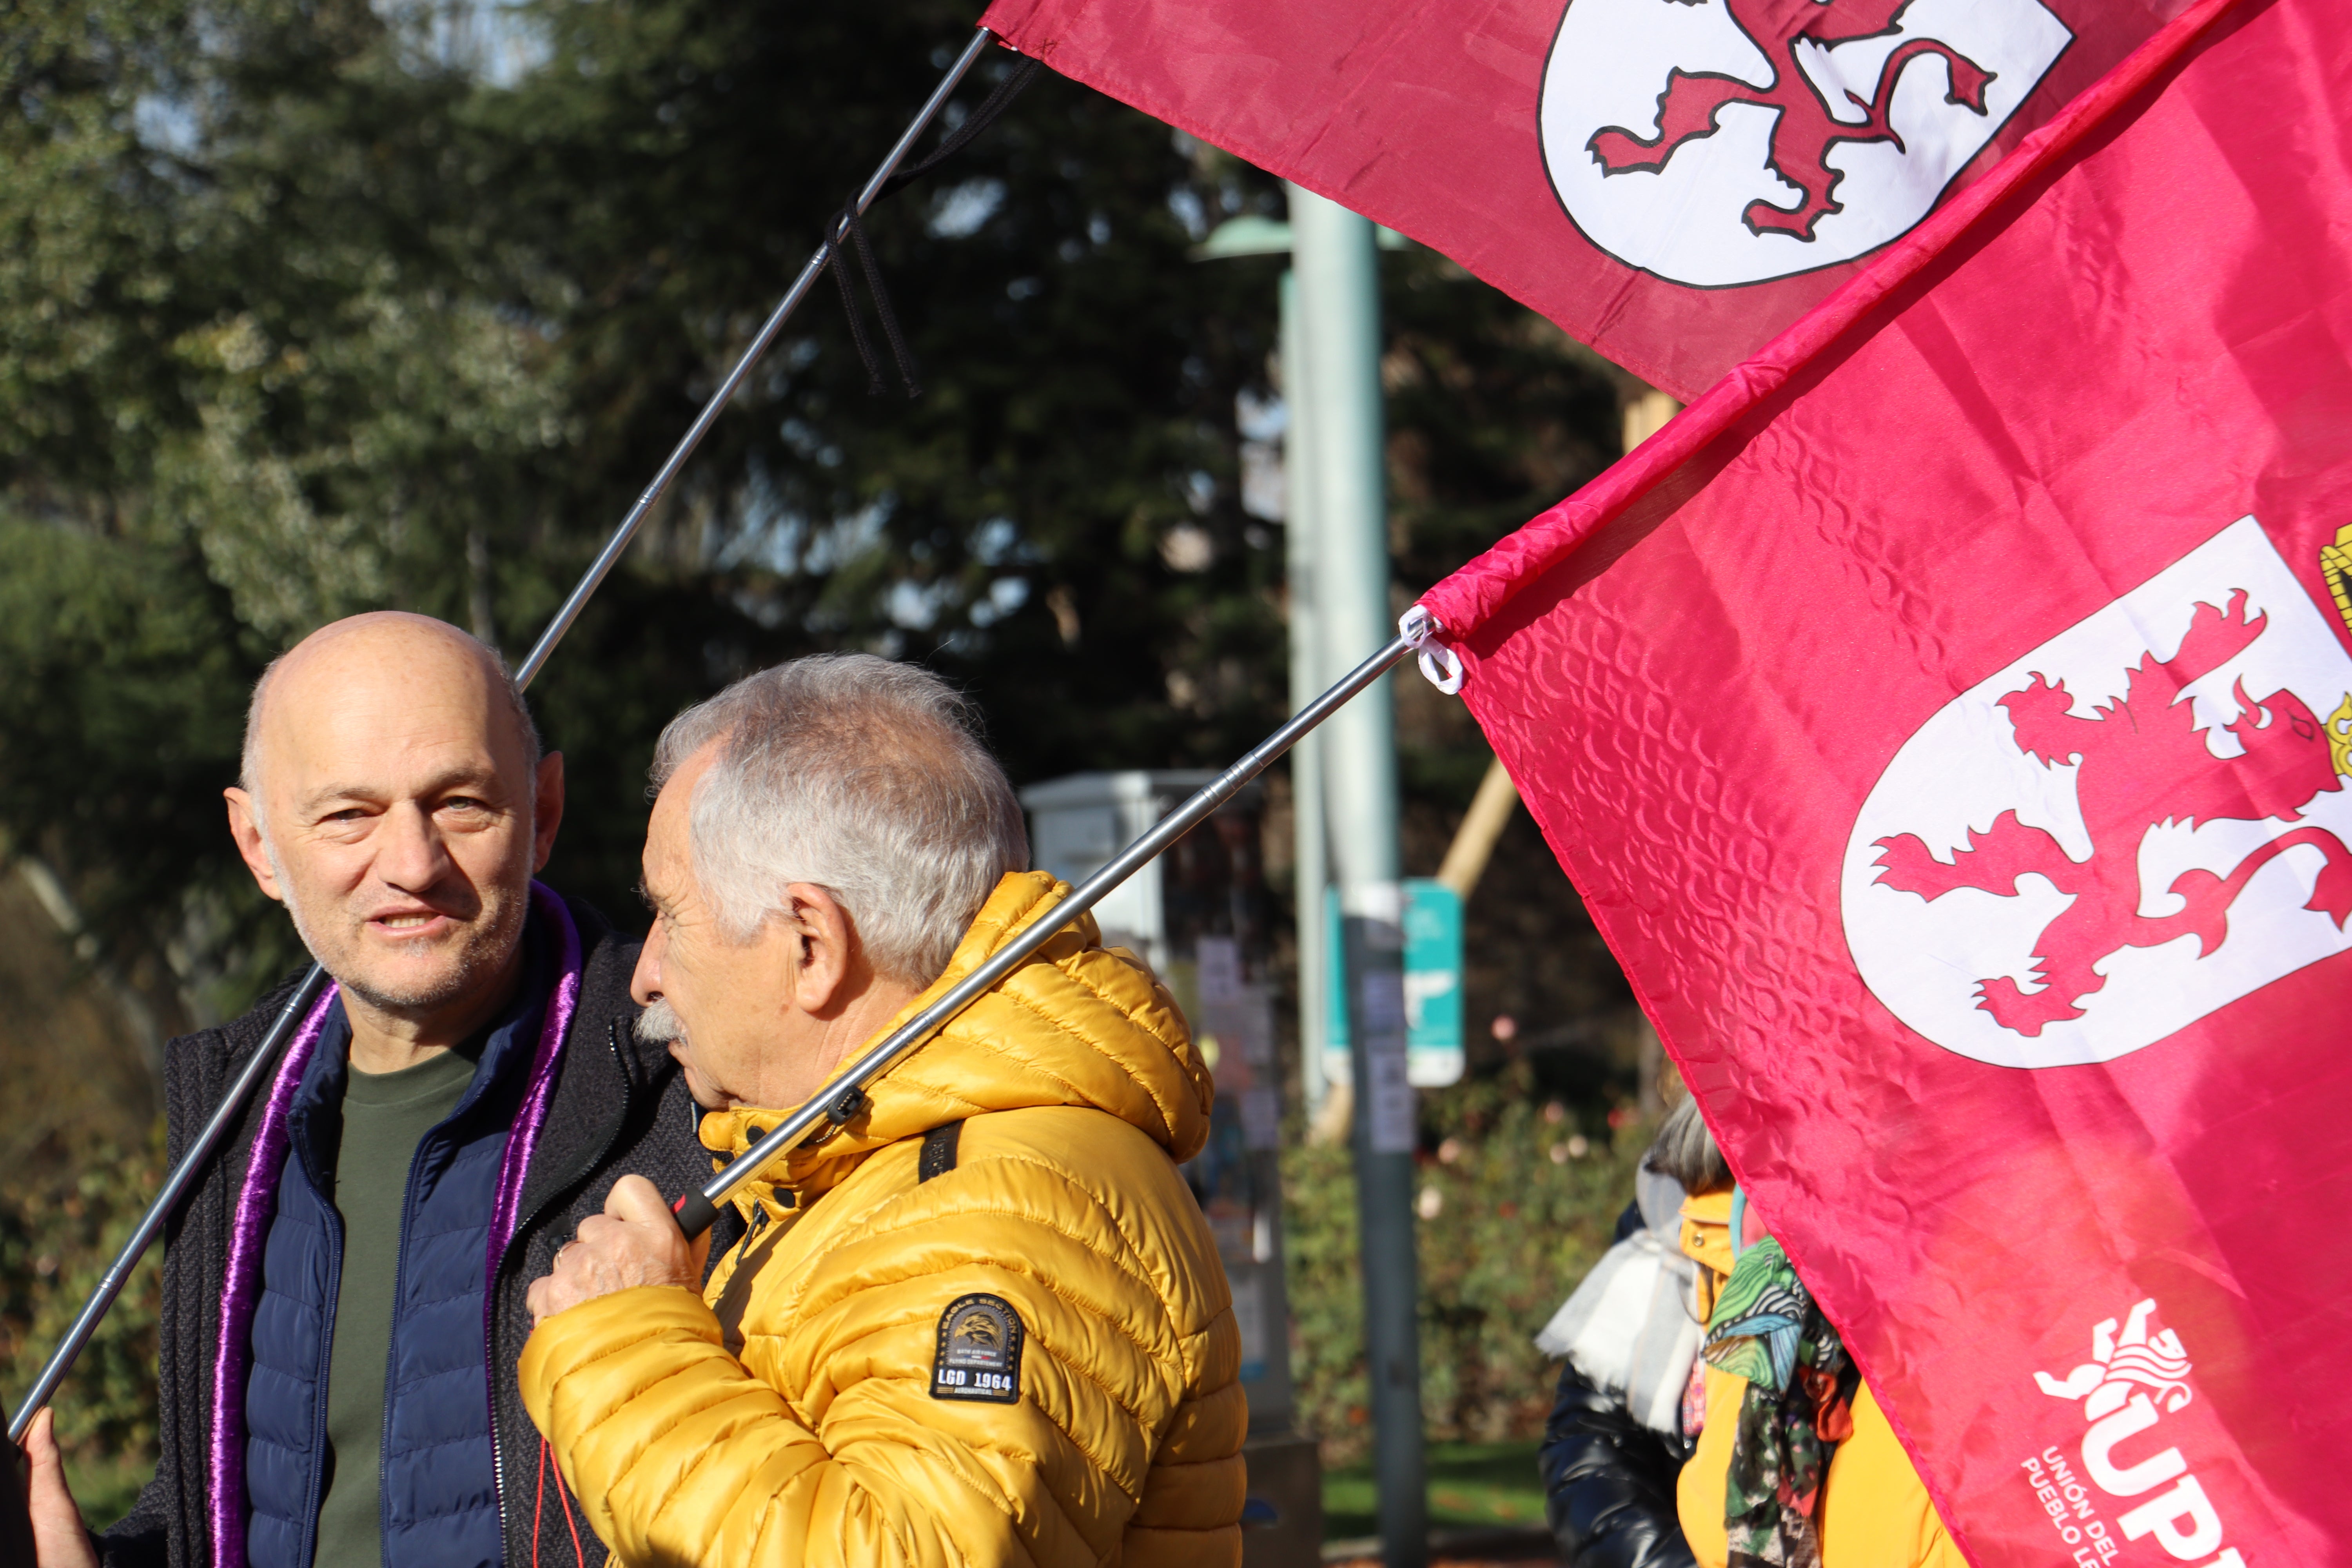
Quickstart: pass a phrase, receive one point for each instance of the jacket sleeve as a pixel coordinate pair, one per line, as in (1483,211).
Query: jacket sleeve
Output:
(681,1453)
(1609,1483)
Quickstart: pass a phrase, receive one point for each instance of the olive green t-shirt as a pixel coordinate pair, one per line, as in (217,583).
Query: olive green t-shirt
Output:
(386,1116)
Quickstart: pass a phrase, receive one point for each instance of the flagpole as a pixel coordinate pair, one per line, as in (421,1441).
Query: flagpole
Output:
(225,1117)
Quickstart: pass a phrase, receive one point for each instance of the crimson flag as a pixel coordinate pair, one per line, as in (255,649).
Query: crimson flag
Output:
(1946,720)
(1672,181)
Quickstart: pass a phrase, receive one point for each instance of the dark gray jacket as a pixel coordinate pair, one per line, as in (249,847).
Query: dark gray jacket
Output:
(1609,1481)
(619,1107)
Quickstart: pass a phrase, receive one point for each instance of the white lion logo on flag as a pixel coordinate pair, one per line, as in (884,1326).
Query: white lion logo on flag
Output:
(1719,143)
(2134,825)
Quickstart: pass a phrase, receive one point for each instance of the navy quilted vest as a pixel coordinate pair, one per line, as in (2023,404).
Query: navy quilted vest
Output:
(439,1479)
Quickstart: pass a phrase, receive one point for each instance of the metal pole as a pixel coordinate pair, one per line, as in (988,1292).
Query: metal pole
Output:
(183,1175)
(719,400)
(1310,853)
(846,1096)
(1339,297)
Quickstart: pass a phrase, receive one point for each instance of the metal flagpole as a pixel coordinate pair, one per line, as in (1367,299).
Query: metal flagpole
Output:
(207,1142)
(844,1099)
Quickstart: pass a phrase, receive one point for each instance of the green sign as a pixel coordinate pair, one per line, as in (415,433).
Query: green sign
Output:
(1433,982)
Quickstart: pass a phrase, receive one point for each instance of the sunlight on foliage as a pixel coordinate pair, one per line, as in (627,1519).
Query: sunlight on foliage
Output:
(1517,1230)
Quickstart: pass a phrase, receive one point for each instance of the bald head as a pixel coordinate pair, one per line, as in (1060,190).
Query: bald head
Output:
(415,653)
(396,800)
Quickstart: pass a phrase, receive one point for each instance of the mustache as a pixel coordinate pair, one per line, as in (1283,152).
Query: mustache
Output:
(659,1024)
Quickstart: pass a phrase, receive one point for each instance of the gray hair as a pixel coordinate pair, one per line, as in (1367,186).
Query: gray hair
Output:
(864,776)
(248,765)
(1685,1150)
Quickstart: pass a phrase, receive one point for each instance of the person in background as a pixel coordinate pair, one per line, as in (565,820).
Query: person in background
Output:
(1626,1416)
(343,1290)
(1794,1470)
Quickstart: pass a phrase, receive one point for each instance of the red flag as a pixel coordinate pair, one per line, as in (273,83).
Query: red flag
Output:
(1948,722)
(1672,181)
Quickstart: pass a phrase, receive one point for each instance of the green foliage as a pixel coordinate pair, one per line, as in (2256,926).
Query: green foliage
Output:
(315,316)
(1524,1204)
(1013,525)
(57,1236)
(123,706)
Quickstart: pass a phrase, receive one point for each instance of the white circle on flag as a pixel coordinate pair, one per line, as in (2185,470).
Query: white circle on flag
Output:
(2132,827)
(1724,143)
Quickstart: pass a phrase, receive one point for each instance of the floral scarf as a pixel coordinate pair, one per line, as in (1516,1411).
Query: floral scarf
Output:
(1800,1387)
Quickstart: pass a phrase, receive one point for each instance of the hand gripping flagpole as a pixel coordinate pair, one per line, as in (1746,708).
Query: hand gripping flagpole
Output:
(846,1097)
(207,1142)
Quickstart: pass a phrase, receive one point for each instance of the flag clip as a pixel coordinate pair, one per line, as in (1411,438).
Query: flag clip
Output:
(1440,665)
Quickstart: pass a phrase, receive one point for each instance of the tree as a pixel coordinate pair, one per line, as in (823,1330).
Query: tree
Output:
(357,323)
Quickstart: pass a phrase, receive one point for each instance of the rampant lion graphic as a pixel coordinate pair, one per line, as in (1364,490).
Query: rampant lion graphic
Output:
(2154,1361)
(1808,126)
(2143,764)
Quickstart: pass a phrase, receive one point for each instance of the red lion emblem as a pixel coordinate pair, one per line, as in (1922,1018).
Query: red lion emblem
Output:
(2144,764)
(1805,132)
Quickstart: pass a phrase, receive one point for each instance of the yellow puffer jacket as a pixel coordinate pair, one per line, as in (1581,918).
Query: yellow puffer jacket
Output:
(788,1417)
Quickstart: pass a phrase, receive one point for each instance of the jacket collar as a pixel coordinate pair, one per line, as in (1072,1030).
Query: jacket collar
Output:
(1076,1024)
(605,1068)
(1707,1230)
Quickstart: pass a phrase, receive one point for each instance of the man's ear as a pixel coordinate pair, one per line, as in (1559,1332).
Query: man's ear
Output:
(547,809)
(826,956)
(245,826)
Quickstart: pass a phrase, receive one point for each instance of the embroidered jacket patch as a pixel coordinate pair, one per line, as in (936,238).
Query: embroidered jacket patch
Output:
(979,1355)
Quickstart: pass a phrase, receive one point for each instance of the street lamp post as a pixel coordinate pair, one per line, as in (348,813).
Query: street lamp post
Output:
(1334,257)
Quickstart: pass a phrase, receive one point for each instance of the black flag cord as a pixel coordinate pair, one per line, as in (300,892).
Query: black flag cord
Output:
(847,226)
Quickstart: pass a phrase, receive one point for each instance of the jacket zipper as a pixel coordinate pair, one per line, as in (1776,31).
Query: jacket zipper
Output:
(522,1228)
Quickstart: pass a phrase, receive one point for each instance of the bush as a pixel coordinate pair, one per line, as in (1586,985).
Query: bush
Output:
(60,1225)
(1518,1202)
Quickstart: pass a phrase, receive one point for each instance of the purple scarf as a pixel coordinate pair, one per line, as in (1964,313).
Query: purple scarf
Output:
(561,1002)
(257,1202)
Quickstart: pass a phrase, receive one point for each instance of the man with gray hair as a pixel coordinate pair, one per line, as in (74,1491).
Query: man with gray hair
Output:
(343,1291)
(983,1321)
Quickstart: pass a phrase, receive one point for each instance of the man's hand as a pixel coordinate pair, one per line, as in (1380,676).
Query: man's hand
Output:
(60,1541)
(636,1241)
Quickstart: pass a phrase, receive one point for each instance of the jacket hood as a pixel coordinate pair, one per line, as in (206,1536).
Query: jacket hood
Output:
(1076,1024)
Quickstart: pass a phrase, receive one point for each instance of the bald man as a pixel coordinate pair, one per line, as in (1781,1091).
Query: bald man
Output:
(343,1297)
